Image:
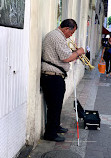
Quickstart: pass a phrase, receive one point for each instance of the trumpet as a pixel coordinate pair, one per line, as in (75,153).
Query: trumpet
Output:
(83,58)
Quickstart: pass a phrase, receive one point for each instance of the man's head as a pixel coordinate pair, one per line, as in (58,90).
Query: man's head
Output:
(68,27)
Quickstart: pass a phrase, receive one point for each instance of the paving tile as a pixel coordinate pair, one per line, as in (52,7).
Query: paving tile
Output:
(94,153)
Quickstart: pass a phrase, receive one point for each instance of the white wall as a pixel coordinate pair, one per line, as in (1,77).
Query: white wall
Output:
(78,10)
(14,47)
(43,19)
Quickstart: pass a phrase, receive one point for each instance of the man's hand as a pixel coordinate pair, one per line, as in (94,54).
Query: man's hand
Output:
(75,55)
(80,51)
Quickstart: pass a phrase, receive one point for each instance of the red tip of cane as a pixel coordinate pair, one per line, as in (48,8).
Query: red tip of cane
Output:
(77,129)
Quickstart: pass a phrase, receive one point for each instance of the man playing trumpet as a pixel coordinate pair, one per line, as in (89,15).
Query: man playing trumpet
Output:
(56,56)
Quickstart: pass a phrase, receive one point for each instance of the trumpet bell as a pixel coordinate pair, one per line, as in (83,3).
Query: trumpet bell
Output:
(91,67)
(86,61)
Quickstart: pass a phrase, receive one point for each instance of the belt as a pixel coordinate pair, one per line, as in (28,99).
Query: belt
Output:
(53,73)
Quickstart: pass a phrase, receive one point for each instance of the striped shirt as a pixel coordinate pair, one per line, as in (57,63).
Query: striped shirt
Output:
(55,50)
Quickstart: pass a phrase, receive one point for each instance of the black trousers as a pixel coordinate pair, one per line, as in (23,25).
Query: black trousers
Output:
(108,65)
(53,87)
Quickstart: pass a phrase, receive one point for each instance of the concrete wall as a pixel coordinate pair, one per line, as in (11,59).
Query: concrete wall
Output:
(14,67)
(41,22)
(95,28)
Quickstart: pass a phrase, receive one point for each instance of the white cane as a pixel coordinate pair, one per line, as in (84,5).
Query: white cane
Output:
(76,111)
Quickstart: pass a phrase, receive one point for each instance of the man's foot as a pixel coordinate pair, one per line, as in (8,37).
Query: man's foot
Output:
(62,130)
(106,75)
(56,138)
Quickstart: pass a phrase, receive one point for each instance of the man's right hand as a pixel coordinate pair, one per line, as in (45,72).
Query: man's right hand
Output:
(75,55)
(80,51)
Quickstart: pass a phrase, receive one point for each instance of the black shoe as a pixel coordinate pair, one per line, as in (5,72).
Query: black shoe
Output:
(56,138)
(62,130)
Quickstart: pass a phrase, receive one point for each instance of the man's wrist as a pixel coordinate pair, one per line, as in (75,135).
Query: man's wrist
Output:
(77,53)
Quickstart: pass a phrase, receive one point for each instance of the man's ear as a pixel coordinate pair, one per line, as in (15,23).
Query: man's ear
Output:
(66,29)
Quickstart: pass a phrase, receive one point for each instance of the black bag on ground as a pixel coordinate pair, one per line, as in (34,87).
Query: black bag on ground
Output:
(91,118)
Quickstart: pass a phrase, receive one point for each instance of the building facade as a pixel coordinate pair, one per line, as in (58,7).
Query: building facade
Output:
(22,106)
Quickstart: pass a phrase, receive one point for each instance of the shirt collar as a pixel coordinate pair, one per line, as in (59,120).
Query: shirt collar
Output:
(61,32)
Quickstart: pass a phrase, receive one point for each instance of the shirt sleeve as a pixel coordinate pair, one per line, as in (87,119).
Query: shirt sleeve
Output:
(63,50)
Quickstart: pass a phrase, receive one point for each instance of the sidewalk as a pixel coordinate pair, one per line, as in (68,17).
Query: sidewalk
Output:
(93,92)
